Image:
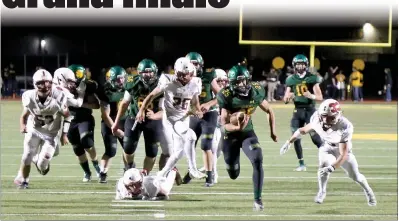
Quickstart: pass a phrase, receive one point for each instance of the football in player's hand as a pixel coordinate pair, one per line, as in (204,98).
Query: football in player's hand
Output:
(237,117)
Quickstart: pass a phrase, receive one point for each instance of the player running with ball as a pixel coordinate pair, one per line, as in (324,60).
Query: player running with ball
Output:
(243,96)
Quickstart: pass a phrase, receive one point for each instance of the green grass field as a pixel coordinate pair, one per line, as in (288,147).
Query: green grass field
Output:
(286,194)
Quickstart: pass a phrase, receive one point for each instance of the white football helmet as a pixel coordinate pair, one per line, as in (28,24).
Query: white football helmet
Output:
(64,77)
(329,112)
(42,81)
(132,176)
(221,77)
(184,70)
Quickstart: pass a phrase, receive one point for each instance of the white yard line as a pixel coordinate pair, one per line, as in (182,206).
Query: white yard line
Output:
(136,205)
(133,203)
(196,215)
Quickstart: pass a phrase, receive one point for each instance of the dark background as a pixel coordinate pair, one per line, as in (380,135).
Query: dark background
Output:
(102,47)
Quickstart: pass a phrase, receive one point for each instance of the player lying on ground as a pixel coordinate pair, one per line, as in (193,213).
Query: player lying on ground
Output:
(241,99)
(41,120)
(136,185)
(179,92)
(336,151)
(299,88)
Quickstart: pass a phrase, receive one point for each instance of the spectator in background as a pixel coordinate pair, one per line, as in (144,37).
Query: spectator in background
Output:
(9,76)
(329,79)
(361,87)
(272,81)
(340,77)
(355,82)
(388,85)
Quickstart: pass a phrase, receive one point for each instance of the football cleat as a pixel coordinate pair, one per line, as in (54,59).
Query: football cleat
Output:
(300,168)
(186,178)
(103,177)
(371,200)
(87,177)
(258,205)
(320,197)
(196,174)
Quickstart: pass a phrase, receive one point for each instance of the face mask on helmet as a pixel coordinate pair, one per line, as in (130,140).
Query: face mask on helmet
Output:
(222,82)
(328,121)
(148,76)
(242,86)
(43,88)
(300,67)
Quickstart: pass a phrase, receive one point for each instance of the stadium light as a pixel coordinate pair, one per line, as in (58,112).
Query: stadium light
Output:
(43,43)
(368,29)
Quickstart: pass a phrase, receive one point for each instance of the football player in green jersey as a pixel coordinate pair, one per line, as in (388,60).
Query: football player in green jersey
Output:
(300,86)
(112,93)
(243,96)
(81,129)
(137,88)
(207,125)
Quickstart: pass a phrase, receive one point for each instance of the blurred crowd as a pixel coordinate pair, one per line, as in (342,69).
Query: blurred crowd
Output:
(335,84)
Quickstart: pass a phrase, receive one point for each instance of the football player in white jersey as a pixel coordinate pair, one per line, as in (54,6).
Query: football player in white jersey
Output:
(180,92)
(336,132)
(41,120)
(136,185)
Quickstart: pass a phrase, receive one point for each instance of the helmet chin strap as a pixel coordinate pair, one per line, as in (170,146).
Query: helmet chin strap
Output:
(301,75)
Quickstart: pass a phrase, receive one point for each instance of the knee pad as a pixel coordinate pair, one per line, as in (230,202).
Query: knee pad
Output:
(151,150)
(129,145)
(110,150)
(233,171)
(87,141)
(191,135)
(78,150)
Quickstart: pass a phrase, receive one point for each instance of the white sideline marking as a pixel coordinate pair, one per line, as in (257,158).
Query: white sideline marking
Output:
(198,215)
(128,202)
(132,205)
(224,177)
(138,210)
(137,201)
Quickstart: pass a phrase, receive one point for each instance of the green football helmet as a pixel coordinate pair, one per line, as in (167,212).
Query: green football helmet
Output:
(115,77)
(239,80)
(148,71)
(80,72)
(197,60)
(300,63)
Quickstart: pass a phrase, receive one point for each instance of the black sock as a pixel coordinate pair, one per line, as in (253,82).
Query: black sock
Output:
(85,167)
(209,178)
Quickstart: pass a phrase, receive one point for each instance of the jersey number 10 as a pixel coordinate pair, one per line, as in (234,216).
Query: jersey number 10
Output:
(301,89)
